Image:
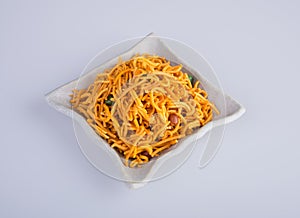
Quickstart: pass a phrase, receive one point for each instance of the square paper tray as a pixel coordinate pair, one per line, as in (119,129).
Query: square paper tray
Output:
(102,156)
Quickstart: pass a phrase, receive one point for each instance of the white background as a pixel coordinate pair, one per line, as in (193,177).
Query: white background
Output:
(252,45)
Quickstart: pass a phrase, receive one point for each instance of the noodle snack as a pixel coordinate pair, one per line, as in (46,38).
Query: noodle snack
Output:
(143,106)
